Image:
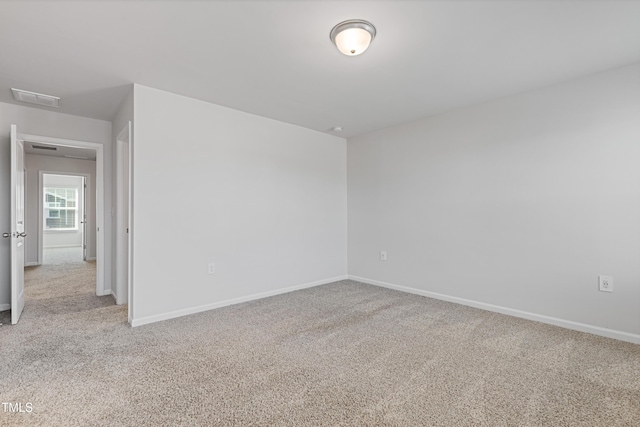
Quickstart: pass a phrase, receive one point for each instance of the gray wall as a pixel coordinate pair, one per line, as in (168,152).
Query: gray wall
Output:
(520,203)
(263,200)
(46,123)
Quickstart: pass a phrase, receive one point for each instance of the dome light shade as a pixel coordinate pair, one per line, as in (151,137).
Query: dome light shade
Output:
(353,37)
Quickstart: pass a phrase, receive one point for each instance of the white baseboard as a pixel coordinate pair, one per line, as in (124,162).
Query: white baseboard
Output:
(61,246)
(568,324)
(91,258)
(5,307)
(193,310)
(31,263)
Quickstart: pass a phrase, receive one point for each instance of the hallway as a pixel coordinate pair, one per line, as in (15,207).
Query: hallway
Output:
(71,255)
(62,286)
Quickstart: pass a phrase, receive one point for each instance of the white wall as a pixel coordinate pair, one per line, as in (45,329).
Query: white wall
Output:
(47,123)
(123,115)
(34,163)
(520,203)
(264,200)
(64,239)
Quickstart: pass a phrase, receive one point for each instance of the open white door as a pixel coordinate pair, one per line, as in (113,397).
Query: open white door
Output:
(17,226)
(83,216)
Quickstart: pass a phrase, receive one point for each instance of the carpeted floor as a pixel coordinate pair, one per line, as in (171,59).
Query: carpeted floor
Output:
(344,354)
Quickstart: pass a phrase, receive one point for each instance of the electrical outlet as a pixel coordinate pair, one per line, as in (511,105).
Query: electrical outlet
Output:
(211,268)
(605,283)
(383,255)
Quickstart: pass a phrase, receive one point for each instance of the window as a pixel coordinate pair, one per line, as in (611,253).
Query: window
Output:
(60,208)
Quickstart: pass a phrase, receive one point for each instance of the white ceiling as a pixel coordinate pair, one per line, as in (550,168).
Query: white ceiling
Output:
(275,59)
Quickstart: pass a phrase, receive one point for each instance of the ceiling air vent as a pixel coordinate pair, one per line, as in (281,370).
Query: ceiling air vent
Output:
(36,98)
(44,147)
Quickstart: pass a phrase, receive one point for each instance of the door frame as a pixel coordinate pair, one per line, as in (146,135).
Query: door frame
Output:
(124,220)
(100,198)
(41,173)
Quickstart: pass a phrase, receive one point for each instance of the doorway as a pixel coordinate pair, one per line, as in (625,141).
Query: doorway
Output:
(91,224)
(60,201)
(65,215)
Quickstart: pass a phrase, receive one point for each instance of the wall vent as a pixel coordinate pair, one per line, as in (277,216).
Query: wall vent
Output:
(44,147)
(36,98)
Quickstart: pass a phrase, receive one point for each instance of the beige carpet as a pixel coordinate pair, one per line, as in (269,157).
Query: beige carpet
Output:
(344,354)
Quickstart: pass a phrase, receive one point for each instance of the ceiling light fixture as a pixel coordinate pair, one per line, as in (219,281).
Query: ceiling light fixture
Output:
(353,37)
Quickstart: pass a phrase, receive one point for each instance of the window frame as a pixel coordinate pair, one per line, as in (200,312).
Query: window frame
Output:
(46,209)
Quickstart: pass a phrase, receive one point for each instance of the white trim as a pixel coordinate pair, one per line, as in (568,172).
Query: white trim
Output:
(91,258)
(31,264)
(101,272)
(206,307)
(5,307)
(62,246)
(568,324)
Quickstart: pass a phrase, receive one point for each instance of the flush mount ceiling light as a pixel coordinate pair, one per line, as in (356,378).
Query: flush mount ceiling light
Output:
(36,98)
(353,37)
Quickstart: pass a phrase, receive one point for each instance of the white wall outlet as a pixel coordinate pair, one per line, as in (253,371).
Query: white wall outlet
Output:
(211,268)
(383,255)
(605,283)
